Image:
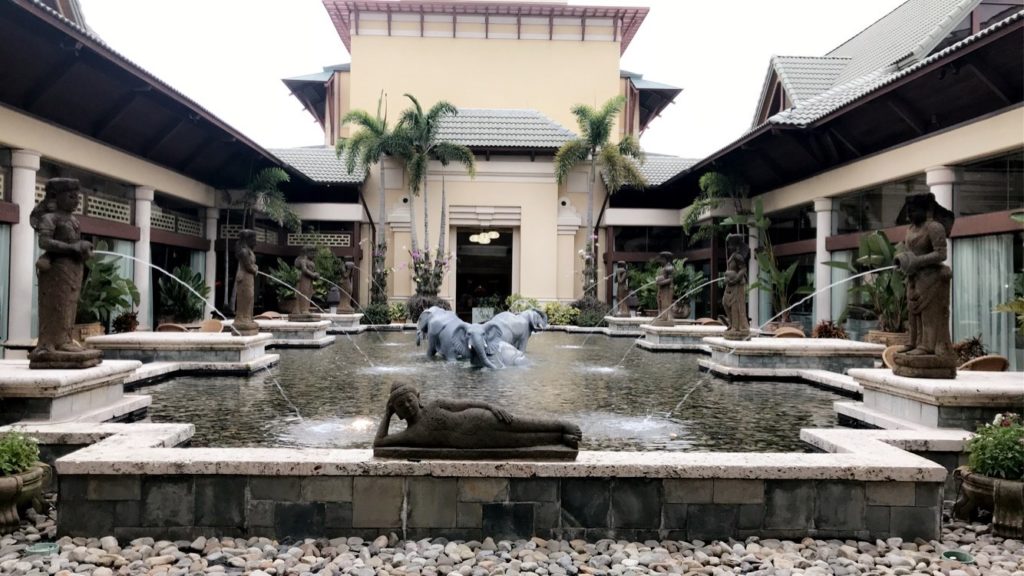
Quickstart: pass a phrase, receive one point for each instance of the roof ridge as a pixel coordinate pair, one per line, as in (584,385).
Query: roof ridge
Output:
(868,27)
(928,42)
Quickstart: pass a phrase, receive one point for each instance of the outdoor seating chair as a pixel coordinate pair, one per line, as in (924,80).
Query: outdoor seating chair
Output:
(988,363)
(171,328)
(211,325)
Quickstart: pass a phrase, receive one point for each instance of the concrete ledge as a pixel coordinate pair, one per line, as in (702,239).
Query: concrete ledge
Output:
(176,341)
(657,347)
(18,381)
(302,343)
(796,347)
(859,413)
(838,382)
(997,389)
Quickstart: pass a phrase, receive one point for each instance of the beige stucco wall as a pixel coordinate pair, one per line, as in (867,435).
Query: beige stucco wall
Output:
(549,76)
(20,131)
(986,137)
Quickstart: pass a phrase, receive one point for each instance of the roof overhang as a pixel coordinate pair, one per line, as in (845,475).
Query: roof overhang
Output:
(343,12)
(981,78)
(311,90)
(56,71)
(654,97)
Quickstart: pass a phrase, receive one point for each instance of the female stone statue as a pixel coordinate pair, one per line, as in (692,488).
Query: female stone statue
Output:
(245,283)
(60,270)
(466,424)
(348,269)
(734,297)
(930,353)
(666,291)
(307,274)
(622,287)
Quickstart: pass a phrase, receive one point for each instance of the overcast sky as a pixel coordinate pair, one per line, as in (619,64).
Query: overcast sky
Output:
(230,57)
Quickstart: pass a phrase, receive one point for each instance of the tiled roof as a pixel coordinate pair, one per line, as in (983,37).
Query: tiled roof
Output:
(503,128)
(844,94)
(804,77)
(658,168)
(323,76)
(912,29)
(320,164)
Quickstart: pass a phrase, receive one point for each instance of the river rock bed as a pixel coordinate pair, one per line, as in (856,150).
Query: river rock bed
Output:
(388,555)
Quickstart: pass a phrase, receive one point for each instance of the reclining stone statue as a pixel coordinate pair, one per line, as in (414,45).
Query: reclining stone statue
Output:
(466,429)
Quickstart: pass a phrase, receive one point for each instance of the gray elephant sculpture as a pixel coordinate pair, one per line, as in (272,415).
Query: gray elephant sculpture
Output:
(454,339)
(517,328)
(502,354)
(423,321)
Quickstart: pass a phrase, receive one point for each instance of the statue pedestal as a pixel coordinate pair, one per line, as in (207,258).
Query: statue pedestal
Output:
(83,395)
(924,366)
(242,328)
(786,357)
(191,351)
(59,360)
(297,334)
(344,323)
(677,338)
(308,317)
(626,325)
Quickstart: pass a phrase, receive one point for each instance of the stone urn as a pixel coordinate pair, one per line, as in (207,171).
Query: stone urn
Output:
(17,490)
(1004,498)
(887,338)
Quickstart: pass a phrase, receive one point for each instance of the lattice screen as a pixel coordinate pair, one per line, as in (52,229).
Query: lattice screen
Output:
(161,219)
(117,210)
(336,239)
(230,232)
(189,226)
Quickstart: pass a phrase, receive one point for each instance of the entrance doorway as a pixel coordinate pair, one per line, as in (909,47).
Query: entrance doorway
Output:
(484,271)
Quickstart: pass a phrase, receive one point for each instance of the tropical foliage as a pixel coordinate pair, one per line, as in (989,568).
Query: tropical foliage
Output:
(180,303)
(287,277)
(517,303)
(104,292)
(561,314)
(18,453)
(884,295)
(715,188)
(617,163)
(376,313)
(685,281)
(262,195)
(997,449)
(373,142)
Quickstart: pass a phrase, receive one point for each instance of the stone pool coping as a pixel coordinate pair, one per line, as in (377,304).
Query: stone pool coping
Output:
(175,340)
(969,388)
(861,455)
(17,380)
(795,347)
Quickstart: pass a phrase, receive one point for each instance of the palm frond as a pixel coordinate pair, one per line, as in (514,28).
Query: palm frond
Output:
(619,170)
(364,120)
(441,108)
(568,156)
(448,152)
(630,147)
(416,166)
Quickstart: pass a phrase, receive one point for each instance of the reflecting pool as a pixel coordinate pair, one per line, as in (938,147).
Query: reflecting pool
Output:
(636,406)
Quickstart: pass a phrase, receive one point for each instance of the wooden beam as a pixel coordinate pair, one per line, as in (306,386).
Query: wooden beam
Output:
(117,111)
(904,111)
(487,26)
(551,27)
(389,21)
(583,35)
(990,82)
(830,144)
(196,154)
(845,142)
(803,146)
(163,137)
(53,75)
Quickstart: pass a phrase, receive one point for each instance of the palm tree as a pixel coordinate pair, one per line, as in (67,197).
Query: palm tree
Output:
(419,132)
(615,161)
(263,195)
(369,146)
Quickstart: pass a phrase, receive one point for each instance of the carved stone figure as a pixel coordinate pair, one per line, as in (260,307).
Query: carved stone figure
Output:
(423,322)
(517,328)
(622,289)
(466,429)
(930,353)
(666,291)
(734,297)
(60,269)
(245,284)
(307,274)
(454,339)
(347,274)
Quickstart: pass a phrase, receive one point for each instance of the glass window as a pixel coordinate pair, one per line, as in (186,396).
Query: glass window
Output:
(988,13)
(5,275)
(648,238)
(991,185)
(976,295)
(876,207)
(792,224)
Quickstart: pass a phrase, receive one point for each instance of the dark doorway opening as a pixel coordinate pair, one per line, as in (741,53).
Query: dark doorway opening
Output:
(484,271)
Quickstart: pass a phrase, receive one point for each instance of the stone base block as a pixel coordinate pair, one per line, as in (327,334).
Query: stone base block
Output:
(187,347)
(343,323)
(311,317)
(925,366)
(684,337)
(66,395)
(60,360)
(780,355)
(626,325)
(244,328)
(288,334)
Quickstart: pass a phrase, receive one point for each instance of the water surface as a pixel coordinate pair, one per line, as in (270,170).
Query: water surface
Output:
(635,406)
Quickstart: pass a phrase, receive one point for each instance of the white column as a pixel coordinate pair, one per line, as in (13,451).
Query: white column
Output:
(822,273)
(753,296)
(212,214)
(24,164)
(941,182)
(143,215)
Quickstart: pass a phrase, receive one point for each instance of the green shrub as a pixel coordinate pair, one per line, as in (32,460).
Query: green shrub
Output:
(996,449)
(517,303)
(829,329)
(560,314)
(17,453)
(398,312)
(376,314)
(592,312)
(287,277)
(418,303)
(104,292)
(179,302)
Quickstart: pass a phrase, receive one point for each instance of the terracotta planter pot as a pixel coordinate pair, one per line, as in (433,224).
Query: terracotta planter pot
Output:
(887,338)
(771,327)
(17,490)
(1004,498)
(82,331)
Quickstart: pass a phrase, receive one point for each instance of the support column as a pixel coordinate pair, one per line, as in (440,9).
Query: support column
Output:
(24,164)
(941,182)
(823,208)
(210,274)
(753,296)
(143,214)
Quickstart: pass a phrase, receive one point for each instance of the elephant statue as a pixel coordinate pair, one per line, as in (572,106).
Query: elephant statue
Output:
(454,339)
(502,354)
(516,328)
(423,322)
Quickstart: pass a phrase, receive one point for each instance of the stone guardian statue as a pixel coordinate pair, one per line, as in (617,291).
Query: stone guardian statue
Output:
(306,264)
(60,270)
(666,291)
(467,429)
(245,284)
(622,289)
(734,297)
(921,258)
(348,269)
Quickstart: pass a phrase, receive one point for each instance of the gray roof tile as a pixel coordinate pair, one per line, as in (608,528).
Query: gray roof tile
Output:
(658,169)
(503,128)
(320,164)
(805,77)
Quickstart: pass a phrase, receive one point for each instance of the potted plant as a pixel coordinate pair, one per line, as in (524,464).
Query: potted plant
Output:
(884,295)
(125,322)
(104,292)
(179,304)
(828,329)
(398,313)
(21,477)
(287,277)
(685,283)
(641,279)
(993,480)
